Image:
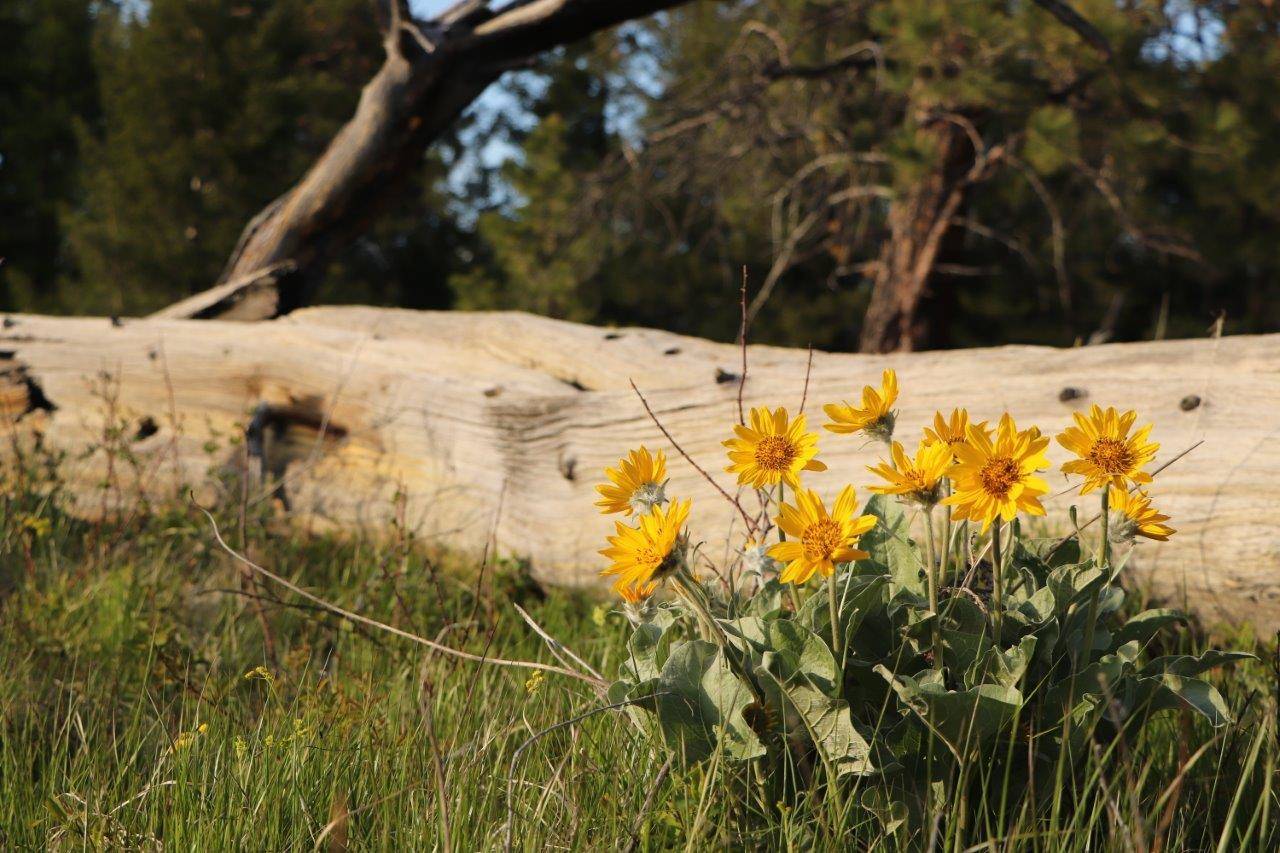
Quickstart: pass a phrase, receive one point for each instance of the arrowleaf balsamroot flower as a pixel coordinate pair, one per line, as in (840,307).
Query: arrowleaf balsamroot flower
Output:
(773,449)
(1134,516)
(637,485)
(876,417)
(998,477)
(635,594)
(646,552)
(917,481)
(952,431)
(1108,454)
(820,540)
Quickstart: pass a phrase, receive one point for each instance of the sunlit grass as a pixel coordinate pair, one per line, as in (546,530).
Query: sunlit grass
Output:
(140,708)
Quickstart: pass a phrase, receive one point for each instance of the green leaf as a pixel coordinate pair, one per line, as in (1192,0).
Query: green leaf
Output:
(965,720)
(809,710)
(649,645)
(1101,678)
(1004,668)
(1188,666)
(892,550)
(1145,625)
(1168,691)
(700,706)
(1061,552)
(767,600)
(859,596)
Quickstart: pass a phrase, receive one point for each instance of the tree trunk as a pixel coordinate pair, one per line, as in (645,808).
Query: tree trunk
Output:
(478,426)
(433,70)
(918,223)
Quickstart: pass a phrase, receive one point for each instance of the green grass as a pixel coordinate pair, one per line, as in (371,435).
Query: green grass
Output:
(133,713)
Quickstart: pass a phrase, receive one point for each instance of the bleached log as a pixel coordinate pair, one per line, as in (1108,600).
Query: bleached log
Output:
(498,425)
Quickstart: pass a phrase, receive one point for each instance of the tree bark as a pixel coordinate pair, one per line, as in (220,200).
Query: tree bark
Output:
(433,70)
(476,428)
(918,223)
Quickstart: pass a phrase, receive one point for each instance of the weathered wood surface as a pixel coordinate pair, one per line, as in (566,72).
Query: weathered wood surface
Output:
(498,425)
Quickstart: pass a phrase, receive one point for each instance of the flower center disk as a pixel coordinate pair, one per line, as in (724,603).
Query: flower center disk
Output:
(1111,455)
(775,453)
(821,539)
(999,475)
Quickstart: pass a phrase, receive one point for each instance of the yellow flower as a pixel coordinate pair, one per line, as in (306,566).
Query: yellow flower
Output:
(185,739)
(916,480)
(819,540)
(774,448)
(1108,454)
(1136,517)
(635,594)
(636,485)
(645,553)
(952,431)
(997,478)
(876,416)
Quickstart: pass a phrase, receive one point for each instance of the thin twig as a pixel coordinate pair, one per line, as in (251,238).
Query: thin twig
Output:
(808,369)
(373,623)
(751,526)
(742,340)
(555,645)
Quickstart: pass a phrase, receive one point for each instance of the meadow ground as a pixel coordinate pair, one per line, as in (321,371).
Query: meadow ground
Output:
(141,707)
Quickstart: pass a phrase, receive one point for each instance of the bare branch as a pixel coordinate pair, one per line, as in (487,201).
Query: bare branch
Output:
(1074,21)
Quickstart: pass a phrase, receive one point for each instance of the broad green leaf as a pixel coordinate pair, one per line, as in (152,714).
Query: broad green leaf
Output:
(649,645)
(1061,552)
(767,600)
(1101,678)
(1005,668)
(892,551)
(965,720)
(859,595)
(805,653)
(1169,691)
(1188,666)
(701,705)
(1145,625)
(810,711)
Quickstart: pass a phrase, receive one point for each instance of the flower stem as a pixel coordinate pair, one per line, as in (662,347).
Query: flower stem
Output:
(1104,564)
(945,561)
(932,572)
(997,580)
(834,613)
(1104,551)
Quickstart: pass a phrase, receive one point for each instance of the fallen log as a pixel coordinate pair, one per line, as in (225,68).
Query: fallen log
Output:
(497,425)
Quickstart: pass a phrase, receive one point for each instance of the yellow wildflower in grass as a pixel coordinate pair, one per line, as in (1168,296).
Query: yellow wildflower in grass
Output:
(876,417)
(952,431)
(1108,454)
(1136,517)
(997,477)
(636,485)
(919,480)
(819,540)
(773,449)
(644,553)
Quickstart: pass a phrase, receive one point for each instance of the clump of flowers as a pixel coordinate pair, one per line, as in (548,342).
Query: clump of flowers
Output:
(853,650)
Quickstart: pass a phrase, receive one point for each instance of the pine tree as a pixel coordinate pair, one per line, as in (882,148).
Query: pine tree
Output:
(47,91)
(210,110)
